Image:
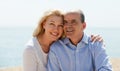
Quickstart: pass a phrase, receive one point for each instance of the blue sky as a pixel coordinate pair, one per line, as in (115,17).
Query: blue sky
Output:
(98,13)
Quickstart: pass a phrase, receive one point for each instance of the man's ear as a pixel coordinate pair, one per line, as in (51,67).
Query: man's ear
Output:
(84,25)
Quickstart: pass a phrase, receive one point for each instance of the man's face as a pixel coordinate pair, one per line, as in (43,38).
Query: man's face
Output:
(73,27)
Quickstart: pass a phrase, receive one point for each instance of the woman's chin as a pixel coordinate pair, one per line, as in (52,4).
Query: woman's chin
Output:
(55,39)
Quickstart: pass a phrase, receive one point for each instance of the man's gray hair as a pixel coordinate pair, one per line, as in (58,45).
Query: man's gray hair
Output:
(80,12)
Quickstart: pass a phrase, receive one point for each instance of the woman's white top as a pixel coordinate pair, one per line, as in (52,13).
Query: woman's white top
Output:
(34,59)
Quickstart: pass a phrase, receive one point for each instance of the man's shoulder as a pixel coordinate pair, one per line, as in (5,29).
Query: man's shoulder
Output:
(97,45)
(93,43)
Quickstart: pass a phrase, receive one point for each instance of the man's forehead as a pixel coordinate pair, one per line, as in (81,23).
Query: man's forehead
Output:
(71,15)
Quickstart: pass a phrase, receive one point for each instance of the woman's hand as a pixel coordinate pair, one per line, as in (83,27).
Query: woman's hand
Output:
(96,38)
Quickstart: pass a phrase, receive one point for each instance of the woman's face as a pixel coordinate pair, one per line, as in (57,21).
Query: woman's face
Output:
(53,27)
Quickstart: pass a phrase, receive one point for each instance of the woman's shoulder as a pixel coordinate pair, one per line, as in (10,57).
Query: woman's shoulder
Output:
(29,47)
(31,42)
(29,50)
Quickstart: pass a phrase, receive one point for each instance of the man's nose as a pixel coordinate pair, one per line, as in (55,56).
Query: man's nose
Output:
(69,24)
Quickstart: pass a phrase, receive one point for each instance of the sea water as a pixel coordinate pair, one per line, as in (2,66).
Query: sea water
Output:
(13,40)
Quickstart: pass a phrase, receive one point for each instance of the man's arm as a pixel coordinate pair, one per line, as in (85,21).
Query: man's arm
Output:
(53,64)
(102,62)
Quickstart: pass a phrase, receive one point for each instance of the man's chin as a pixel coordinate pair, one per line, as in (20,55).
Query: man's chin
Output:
(68,36)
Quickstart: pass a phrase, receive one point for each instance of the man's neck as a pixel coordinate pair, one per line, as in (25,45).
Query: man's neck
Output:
(75,41)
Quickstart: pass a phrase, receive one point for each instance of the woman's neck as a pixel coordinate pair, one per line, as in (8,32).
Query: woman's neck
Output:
(44,43)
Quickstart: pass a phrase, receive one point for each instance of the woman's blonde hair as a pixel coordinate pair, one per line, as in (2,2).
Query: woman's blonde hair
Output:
(39,29)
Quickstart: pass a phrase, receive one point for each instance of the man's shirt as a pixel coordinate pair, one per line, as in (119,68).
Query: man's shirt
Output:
(86,56)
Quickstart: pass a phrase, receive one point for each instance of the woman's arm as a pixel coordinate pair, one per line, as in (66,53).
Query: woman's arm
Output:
(29,60)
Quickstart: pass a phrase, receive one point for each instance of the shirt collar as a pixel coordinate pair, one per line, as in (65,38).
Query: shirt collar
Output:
(85,39)
(66,40)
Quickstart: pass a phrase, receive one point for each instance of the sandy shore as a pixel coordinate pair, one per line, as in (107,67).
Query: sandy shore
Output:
(115,64)
(18,68)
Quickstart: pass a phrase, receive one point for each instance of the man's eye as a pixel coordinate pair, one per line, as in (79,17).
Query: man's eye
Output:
(65,21)
(74,21)
(61,26)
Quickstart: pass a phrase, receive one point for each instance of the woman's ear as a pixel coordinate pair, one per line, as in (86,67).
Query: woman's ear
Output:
(43,25)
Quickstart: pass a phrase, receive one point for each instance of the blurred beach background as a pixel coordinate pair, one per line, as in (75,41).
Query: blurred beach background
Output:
(18,18)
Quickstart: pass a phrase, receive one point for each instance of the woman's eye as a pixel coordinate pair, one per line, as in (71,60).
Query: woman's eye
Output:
(61,26)
(51,24)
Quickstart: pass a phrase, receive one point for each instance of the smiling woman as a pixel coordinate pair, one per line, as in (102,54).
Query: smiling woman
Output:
(49,29)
